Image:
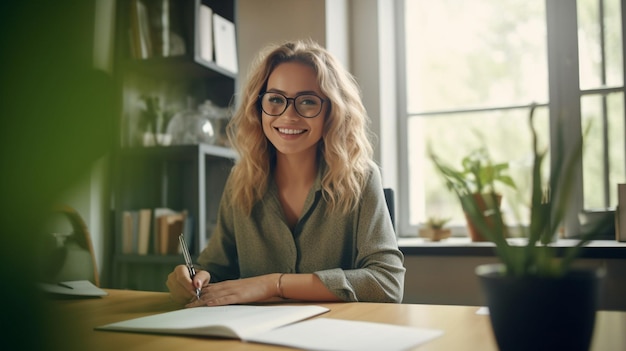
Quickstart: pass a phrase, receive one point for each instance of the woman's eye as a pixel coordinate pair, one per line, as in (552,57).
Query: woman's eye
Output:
(276,99)
(308,101)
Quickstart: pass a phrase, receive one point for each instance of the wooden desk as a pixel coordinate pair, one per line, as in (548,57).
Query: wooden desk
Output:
(463,328)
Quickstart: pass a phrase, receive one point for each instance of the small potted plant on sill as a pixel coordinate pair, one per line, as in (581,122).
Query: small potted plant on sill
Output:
(434,229)
(537,299)
(473,183)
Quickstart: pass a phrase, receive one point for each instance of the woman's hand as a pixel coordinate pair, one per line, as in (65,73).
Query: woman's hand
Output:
(182,288)
(256,289)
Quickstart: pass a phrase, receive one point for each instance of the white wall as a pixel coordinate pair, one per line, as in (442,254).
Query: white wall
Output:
(451,280)
(372,47)
(444,280)
(260,23)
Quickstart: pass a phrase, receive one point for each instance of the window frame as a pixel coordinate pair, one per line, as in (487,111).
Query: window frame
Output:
(564,103)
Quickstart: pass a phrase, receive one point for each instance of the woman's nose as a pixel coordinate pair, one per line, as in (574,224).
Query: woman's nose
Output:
(291,112)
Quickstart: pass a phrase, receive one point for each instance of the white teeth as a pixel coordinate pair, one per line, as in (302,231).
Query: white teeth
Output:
(291,131)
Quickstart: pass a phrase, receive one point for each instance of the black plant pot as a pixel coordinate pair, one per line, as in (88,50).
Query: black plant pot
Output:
(534,313)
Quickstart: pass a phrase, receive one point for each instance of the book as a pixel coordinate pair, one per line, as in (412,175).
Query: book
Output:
(144,231)
(205,33)
(135,231)
(78,288)
(620,213)
(170,227)
(326,334)
(141,43)
(234,321)
(127,232)
(225,43)
(156,227)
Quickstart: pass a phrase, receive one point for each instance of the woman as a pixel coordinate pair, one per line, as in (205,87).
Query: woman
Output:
(303,214)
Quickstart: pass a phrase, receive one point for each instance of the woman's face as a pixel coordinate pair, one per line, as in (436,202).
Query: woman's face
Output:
(289,132)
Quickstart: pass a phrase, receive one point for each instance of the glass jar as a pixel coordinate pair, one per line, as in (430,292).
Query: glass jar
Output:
(219,118)
(191,127)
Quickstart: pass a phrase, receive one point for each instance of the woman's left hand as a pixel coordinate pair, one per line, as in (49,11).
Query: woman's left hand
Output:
(248,290)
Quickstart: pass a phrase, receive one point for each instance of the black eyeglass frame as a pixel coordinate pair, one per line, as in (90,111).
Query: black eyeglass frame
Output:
(293,100)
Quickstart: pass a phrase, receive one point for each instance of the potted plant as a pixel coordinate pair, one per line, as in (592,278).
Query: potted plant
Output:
(537,300)
(434,229)
(476,178)
(153,122)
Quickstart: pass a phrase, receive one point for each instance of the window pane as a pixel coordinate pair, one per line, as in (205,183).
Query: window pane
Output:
(613,38)
(506,135)
(590,46)
(594,176)
(469,54)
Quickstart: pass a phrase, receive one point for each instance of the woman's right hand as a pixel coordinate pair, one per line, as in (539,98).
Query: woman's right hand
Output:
(182,288)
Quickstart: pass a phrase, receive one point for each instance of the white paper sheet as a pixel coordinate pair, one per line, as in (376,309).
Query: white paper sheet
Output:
(326,334)
(484,310)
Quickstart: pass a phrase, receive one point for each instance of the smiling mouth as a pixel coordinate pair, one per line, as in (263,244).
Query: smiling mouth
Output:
(291,131)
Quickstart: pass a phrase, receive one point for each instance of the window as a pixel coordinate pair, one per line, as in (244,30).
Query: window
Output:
(469,72)
(602,102)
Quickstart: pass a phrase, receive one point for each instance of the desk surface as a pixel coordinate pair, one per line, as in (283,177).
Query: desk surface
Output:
(463,328)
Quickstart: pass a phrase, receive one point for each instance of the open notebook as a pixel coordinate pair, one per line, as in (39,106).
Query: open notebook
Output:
(280,325)
(234,321)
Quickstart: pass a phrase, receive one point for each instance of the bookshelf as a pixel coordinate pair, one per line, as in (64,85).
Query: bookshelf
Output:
(182,177)
(159,175)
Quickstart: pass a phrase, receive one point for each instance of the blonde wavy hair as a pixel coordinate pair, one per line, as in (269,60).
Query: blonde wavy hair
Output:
(345,146)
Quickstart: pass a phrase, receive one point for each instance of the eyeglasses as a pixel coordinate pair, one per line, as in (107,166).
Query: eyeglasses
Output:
(306,105)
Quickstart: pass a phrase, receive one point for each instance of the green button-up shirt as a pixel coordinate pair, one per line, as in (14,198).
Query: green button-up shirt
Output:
(356,256)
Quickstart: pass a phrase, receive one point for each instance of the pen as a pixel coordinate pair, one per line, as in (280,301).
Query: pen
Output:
(187,256)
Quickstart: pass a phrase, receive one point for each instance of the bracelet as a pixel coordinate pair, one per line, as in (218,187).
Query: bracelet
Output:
(279,286)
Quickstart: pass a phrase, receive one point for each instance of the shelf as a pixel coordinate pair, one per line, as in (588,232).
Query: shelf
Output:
(180,151)
(181,177)
(187,178)
(180,67)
